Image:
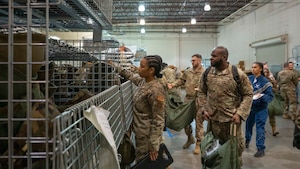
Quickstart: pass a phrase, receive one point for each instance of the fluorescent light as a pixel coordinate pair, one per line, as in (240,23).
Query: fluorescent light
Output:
(143,30)
(142,8)
(183,30)
(193,21)
(55,37)
(207,7)
(268,42)
(142,21)
(89,21)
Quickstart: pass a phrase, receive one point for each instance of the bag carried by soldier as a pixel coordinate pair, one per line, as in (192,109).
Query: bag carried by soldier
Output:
(215,155)
(127,150)
(179,114)
(277,105)
(296,141)
(163,160)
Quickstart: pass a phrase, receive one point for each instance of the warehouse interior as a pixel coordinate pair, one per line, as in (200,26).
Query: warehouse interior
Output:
(53,66)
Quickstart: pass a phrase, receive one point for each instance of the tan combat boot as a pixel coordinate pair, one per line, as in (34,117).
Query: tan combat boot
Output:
(293,117)
(285,116)
(275,133)
(189,142)
(197,148)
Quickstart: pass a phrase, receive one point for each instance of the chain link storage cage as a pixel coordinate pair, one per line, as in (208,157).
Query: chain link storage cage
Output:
(78,64)
(78,143)
(26,112)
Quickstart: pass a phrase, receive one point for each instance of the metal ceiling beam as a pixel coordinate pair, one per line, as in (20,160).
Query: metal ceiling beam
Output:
(101,21)
(72,12)
(170,12)
(35,13)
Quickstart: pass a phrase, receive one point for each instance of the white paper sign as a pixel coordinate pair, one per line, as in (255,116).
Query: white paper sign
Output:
(98,117)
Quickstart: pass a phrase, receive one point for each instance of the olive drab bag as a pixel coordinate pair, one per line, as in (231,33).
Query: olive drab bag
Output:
(179,114)
(296,139)
(277,105)
(127,150)
(215,155)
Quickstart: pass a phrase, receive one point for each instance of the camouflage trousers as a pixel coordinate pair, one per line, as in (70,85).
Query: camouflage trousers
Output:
(221,130)
(290,101)
(272,119)
(297,120)
(199,128)
(142,147)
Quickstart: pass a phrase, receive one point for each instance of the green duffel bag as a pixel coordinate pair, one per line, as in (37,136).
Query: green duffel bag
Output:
(276,106)
(127,150)
(181,115)
(215,155)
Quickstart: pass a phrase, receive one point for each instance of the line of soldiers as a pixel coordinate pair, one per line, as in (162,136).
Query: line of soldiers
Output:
(219,103)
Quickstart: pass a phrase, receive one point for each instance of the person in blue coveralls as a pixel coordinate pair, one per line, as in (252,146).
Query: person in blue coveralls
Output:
(262,96)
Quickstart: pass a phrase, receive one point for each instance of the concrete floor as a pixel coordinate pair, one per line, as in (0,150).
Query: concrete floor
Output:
(279,153)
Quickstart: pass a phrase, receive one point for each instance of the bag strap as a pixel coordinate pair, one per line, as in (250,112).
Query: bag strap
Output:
(233,129)
(235,163)
(235,74)
(204,78)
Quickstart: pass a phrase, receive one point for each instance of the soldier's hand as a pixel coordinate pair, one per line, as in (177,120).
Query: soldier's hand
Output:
(170,86)
(205,115)
(110,62)
(236,118)
(153,155)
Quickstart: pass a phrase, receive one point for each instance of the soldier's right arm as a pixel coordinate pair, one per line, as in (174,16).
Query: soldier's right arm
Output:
(134,78)
(295,78)
(247,96)
(181,81)
(201,102)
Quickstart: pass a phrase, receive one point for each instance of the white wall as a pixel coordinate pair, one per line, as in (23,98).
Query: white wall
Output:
(174,48)
(273,19)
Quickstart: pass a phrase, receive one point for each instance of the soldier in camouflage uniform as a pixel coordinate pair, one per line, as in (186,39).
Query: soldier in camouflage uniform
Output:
(148,107)
(190,79)
(220,102)
(291,67)
(169,74)
(271,113)
(287,81)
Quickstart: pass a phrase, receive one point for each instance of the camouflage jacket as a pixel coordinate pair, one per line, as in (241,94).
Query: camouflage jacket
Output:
(222,100)
(190,79)
(148,110)
(274,84)
(169,74)
(287,79)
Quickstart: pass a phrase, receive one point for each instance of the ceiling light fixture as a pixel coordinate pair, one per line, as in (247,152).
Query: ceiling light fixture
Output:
(141,7)
(193,21)
(142,21)
(143,30)
(207,7)
(183,30)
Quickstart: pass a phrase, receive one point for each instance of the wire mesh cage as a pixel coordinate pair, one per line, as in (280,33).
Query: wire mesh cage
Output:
(25,110)
(33,68)
(78,64)
(78,143)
